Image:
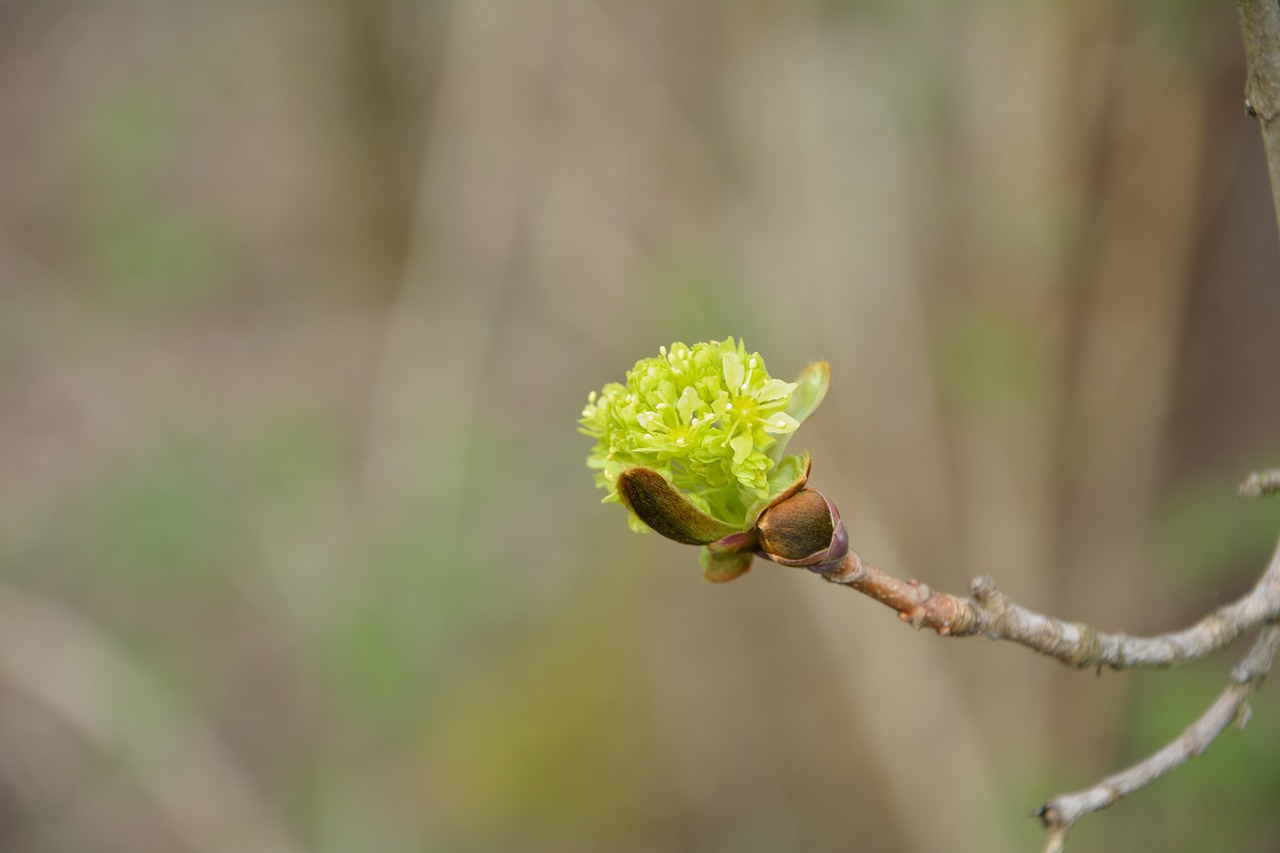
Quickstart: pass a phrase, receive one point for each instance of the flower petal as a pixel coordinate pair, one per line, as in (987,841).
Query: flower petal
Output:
(811,389)
(774,389)
(688,404)
(781,423)
(733,371)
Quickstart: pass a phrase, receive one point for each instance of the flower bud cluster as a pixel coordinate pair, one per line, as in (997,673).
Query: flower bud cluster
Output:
(704,416)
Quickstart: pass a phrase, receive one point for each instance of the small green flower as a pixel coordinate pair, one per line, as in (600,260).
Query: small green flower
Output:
(711,421)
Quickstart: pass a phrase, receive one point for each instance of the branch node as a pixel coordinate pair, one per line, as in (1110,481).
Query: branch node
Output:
(851,569)
(983,588)
(915,617)
(1048,815)
(1088,649)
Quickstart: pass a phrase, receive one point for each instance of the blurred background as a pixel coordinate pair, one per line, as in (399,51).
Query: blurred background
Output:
(300,302)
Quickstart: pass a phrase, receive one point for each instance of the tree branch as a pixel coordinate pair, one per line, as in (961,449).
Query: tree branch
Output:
(1061,813)
(991,613)
(1260,28)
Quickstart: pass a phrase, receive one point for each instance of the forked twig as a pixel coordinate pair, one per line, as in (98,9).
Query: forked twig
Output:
(1061,813)
(991,613)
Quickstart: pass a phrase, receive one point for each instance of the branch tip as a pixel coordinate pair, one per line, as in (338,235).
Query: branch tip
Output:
(847,571)
(1260,484)
(983,588)
(1062,812)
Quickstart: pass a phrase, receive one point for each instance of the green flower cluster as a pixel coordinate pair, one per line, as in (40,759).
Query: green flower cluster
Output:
(704,416)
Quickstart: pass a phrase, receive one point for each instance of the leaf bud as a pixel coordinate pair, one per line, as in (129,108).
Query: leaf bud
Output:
(803,531)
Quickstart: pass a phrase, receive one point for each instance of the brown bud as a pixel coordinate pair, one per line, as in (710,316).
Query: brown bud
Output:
(804,530)
(662,506)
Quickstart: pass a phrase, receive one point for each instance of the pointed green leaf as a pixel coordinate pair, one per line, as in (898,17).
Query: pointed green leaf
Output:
(662,506)
(811,389)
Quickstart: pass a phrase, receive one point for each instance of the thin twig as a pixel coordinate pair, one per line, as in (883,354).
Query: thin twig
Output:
(1260,29)
(1061,813)
(991,613)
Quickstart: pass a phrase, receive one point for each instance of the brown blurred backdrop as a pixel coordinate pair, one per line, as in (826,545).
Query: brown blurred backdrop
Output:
(299,302)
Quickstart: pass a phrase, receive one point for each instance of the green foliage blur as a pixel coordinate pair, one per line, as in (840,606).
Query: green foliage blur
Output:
(298,306)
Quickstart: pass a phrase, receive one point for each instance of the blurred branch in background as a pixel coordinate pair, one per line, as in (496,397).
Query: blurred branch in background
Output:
(1260,28)
(58,660)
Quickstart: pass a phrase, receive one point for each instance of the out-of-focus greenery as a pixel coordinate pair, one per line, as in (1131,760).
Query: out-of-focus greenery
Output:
(149,248)
(1236,781)
(298,306)
(1197,537)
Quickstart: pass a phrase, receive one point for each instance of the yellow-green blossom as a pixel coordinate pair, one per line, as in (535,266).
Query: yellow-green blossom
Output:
(704,416)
